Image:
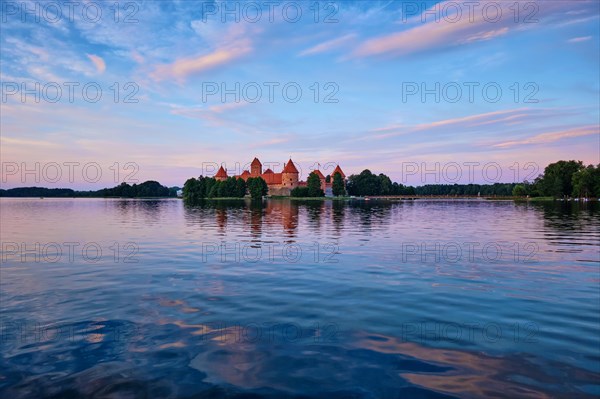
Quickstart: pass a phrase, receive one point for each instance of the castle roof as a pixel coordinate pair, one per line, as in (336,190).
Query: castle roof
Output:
(255,162)
(267,171)
(245,173)
(221,172)
(338,170)
(318,173)
(290,168)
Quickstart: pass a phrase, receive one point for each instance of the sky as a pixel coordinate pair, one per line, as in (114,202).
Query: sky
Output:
(95,93)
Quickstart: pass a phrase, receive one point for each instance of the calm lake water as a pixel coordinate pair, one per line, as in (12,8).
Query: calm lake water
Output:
(424,299)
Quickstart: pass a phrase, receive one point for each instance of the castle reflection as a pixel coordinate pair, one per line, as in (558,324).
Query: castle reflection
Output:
(262,219)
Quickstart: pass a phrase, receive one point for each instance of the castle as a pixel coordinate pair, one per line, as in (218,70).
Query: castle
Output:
(281,183)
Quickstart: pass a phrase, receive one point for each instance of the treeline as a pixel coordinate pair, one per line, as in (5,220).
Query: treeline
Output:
(198,189)
(40,192)
(367,183)
(560,179)
(563,179)
(487,190)
(149,188)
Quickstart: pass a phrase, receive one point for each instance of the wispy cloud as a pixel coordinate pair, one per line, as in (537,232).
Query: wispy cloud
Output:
(579,39)
(501,117)
(181,69)
(430,34)
(328,45)
(231,46)
(98,62)
(550,137)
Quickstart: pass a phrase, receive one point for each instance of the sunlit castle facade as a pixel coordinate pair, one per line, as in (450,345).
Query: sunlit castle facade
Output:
(280,183)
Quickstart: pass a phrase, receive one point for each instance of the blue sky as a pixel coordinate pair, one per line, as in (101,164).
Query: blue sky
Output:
(366,56)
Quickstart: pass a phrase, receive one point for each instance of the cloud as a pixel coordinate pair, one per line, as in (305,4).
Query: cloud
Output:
(26,142)
(182,68)
(465,122)
(231,46)
(579,39)
(452,29)
(550,137)
(328,45)
(98,62)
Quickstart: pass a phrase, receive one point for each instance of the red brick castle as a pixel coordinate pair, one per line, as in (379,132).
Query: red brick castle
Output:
(281,183)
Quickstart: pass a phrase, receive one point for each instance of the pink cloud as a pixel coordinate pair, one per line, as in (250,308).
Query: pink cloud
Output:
(328,45)
(550,137)
(185,67)
(98,62)
(579,39)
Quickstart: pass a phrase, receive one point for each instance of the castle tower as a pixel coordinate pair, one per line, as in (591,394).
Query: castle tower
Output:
(322,178)
(340,171)
(289,175)
(255,168)
(221,174)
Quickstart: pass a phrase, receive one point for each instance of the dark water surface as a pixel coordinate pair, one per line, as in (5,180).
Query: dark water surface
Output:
(425,299)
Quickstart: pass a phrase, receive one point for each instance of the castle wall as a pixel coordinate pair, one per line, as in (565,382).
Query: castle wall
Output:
(279,190)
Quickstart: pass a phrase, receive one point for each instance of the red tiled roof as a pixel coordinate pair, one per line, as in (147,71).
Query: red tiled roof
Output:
(290,168)
(318,173)
(338,170)
(245,173)
(268,171)
(221,172)
(255,162)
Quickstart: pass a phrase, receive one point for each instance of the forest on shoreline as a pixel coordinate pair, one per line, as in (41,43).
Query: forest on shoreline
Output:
(559,180)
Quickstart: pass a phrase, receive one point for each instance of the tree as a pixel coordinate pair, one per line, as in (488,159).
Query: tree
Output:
(215,190)
(228,188)
(209,183)
(301,192)
(385,184)
(314,185)
(240,188)
(190,190)
(338,185)
(586,182)
(366,183)
(519,190)
(557,179)
(257,187)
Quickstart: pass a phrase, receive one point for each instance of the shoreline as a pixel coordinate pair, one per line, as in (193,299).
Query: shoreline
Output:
(374,198)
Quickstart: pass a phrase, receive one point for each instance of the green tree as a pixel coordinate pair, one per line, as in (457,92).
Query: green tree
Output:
(385,184)
(257,187)
(209,183)
(366,183)
(338,185)
(519,190)
(190,190)
(228,188)
(215,189)
(240,188)
(586,182)
(557,179)
(300,192)
(314,185)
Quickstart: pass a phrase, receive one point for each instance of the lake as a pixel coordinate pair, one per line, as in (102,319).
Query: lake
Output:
(418,299)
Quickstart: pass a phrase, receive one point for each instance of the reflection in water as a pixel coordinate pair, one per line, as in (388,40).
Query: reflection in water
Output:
(183,323)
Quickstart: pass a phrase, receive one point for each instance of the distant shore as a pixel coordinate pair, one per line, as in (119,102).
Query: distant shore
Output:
(371,198)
